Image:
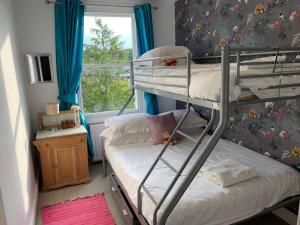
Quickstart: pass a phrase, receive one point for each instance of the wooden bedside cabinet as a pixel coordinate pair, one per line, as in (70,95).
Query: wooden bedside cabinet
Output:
(64,157)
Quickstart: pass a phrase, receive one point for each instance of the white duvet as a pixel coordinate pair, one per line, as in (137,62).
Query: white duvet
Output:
(204,202)
(206,80)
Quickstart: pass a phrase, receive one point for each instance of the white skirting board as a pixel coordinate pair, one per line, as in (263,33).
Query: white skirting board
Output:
(95,130)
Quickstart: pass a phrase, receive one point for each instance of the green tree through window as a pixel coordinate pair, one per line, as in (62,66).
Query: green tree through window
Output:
(104,84)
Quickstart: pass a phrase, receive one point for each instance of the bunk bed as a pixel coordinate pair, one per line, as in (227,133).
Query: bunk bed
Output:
(269,77)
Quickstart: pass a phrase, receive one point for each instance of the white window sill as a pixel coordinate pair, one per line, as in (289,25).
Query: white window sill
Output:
(96,118)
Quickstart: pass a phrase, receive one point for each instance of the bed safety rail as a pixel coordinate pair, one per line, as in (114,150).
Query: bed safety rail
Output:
(220,108)
(275,63)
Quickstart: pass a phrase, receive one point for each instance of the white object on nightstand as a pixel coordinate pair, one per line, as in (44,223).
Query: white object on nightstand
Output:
(61,132)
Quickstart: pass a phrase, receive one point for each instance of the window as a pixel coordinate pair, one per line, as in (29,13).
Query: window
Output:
(108,49)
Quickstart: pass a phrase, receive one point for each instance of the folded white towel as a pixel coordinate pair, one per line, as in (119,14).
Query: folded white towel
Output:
(228,172)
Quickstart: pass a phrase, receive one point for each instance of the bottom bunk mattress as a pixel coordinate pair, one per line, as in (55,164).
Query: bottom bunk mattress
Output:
(204,202)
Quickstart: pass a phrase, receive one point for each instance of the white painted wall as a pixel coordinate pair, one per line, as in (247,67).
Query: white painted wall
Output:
(2,211)
(36,34)
(164,22)
(17,181)
(35,26)
(164,34)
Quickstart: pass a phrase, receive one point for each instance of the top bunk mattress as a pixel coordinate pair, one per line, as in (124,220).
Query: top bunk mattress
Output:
(204,202)
(206,81)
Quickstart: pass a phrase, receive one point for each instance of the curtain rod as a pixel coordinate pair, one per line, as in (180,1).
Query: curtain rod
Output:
(98,4)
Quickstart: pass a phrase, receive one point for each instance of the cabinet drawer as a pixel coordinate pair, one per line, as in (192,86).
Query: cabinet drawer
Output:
(125,211)
(67,140)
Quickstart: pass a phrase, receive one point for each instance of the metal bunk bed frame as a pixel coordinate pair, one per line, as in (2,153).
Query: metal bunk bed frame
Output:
(221,108)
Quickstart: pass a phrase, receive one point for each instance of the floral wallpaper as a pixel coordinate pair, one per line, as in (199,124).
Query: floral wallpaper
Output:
(205,25)
(272,128)
(269,128)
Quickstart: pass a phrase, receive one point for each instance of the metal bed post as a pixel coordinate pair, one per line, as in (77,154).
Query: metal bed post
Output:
(188,63)
(238,65)
(210,144)
(276,58)
(104,166)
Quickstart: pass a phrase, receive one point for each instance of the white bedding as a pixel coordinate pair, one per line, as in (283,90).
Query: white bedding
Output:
(205,80)
(204,202)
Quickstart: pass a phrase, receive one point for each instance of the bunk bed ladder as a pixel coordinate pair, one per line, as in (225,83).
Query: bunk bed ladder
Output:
(183,166)
(203,156)
(160,158)
(186,161)
(178,173)
(199,162)
(209,146)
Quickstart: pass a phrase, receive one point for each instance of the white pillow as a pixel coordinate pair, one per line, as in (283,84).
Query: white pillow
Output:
(165,51)
(129,123)
(134,128)
(193,120)
(115,138)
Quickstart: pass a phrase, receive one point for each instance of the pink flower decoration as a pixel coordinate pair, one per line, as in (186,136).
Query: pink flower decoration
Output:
(267,134)
(241,143)
(276,25)
(235,8)
(278,114)
(284,134)
(294,16)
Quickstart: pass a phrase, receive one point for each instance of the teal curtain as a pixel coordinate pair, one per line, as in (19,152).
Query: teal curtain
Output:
(69,21)
(145,40)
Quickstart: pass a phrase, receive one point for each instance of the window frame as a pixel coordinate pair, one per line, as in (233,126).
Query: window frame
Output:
(99,117)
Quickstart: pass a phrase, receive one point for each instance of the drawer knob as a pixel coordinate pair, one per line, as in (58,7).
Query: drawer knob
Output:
(125,213)
(113,189)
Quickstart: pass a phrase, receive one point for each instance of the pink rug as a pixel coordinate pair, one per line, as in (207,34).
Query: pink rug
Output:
(90,210)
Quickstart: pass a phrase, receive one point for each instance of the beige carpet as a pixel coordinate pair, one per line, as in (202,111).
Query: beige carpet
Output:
(99,184)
